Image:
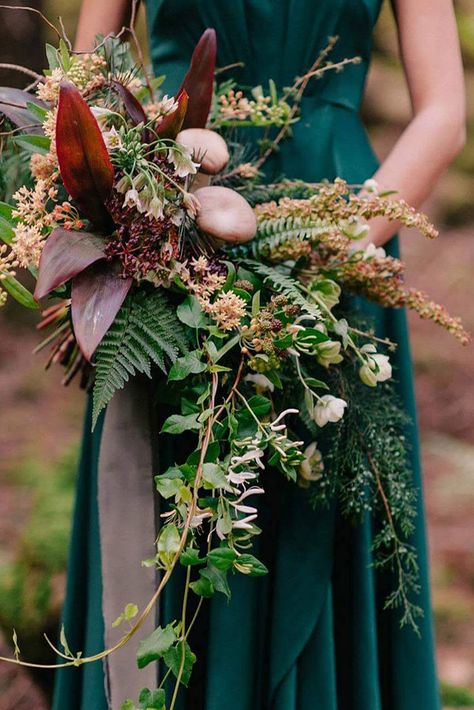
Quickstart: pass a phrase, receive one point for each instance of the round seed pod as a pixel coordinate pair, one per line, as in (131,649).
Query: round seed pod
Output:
(225,215)
(208,144)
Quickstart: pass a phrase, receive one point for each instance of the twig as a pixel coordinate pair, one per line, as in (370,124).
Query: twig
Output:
(17,67)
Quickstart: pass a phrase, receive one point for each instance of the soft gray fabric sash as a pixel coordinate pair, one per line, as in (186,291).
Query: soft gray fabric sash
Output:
(127,533)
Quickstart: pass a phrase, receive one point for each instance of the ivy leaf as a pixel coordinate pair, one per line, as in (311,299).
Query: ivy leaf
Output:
(222,558)
(202,587)
(260,405)
(190,557)
(214,476)
(152,700)
(251,566)
(218,579)
(168,486)
(154,646)
(129,613)
(189,364)
(168,543)
(190,313)
(178,423)
(174,659)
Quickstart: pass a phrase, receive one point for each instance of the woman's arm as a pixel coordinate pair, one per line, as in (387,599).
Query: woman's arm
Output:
(101,17)
(433,67)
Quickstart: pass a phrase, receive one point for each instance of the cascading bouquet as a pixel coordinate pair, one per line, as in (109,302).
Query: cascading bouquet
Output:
(151,226)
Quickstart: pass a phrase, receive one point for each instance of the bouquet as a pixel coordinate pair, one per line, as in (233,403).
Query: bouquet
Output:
(168,254)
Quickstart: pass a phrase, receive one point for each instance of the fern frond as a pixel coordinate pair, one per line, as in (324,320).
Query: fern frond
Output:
(284,284)
(273,233)
(146,330)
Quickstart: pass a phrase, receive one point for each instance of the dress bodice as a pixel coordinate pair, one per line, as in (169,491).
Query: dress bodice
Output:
(277,39)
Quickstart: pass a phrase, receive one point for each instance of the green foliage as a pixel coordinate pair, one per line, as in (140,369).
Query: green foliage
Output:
(29,599)
(455,697)
(283,283)
(274,233)
(145,331)
(368,472)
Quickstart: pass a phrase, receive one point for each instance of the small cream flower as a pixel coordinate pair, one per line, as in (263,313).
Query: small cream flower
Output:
(329,353)
(329,409)
(373,252)
(181,158)
(377,369)
(311,468)
(261,382)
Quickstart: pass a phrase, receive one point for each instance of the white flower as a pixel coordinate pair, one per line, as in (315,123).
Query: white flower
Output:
(112,139)
(261,382)
(191,204)
(371,185)
(180,157)
(312,466)
(373,252)
(329,409)
(132,199)
(377,369)
(329,353)
(155,207)
(356,229)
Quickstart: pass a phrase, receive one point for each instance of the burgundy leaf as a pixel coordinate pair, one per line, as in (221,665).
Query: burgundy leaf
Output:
(199,80)
(65,254)
(96,296)
(134,108)
(13,104)
(84,162)
(171,124)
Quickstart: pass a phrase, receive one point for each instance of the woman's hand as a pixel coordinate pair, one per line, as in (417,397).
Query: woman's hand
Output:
(432,61)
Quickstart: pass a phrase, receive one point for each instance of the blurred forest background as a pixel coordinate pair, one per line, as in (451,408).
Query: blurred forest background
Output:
(41,422)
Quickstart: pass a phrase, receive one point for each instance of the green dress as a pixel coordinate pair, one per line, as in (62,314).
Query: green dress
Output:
(312,635)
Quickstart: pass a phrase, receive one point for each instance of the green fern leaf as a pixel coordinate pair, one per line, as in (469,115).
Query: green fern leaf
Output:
(284,284)
(146,330)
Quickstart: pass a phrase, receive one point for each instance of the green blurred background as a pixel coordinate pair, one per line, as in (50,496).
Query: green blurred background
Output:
(41,422)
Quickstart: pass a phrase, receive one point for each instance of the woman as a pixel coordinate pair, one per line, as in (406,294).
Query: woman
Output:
(312,635)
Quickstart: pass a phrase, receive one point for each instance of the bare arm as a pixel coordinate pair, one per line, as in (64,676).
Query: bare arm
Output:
(100,16)
(433,67)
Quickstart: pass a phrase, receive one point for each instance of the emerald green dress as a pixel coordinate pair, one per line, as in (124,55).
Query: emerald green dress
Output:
(312,635)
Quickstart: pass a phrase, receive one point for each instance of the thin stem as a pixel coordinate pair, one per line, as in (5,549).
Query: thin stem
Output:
(17,67)
(183,639)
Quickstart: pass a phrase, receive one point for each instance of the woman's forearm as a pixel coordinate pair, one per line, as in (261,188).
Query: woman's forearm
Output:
(100,17)
(418,159)
(432,61)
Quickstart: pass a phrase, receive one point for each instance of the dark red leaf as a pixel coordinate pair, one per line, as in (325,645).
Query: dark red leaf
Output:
(66,254)
(171,124)
(13,104)
(199,81)
(134,108)
(84,162)
(96,296)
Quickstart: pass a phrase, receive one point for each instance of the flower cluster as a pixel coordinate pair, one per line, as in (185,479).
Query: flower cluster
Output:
(234,108)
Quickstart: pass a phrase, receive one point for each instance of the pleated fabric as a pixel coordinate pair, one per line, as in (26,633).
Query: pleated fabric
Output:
(312,635)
